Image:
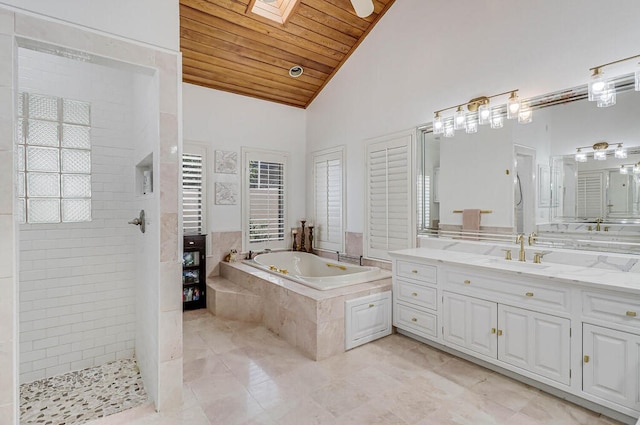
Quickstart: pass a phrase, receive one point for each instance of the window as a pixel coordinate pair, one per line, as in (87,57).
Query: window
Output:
(389,205)
(53,159)
(193,189)
(264,189)
(328,199)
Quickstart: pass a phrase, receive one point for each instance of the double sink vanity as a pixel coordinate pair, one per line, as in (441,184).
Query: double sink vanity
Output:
(573,330)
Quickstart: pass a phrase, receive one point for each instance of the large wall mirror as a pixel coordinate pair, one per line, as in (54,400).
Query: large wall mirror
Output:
(527,179)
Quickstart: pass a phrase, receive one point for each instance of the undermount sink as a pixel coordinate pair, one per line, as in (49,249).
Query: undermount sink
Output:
(510,264)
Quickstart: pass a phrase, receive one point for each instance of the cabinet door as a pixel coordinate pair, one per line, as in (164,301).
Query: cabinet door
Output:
(610,365)
(470,323)
(535,341)
(367,318)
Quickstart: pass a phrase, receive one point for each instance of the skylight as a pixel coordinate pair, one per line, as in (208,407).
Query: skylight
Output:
(275,10)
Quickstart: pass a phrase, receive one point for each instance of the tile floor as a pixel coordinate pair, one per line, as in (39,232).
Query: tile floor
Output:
(242,374)
(77,397)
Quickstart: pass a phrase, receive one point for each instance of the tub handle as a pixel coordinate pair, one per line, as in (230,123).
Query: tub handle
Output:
(274,268)
(284,271)
(371,305)
(336,265)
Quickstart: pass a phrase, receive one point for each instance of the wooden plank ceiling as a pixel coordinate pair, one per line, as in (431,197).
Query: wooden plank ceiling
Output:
(226,47)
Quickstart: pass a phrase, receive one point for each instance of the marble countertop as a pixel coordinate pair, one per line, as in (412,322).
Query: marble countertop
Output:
(562,273)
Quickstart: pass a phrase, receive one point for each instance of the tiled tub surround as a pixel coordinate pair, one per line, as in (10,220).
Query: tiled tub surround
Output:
(77,397)
(560,311)
(311,320)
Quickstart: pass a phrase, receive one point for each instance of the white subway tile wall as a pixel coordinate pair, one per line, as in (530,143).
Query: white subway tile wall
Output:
(78,280)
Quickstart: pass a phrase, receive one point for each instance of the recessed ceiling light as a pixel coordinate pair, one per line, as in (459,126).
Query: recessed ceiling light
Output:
(296,71)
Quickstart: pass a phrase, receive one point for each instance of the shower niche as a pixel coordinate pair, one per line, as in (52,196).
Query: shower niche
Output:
(144,176)
(194,272)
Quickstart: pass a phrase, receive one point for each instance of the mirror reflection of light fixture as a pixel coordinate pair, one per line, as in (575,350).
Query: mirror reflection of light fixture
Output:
(636,168)
(624,169)
(448,128)
(525,115)
(497,119)
(363,8)
(600,152)
(471,125)
(620,152)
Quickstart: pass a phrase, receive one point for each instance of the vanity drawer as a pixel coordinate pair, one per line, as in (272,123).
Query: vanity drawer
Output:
(416,271)
(416,321)
(421,295)
(523,292)
(616,308)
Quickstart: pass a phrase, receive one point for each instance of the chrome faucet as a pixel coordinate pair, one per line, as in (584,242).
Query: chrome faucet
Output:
(520,240)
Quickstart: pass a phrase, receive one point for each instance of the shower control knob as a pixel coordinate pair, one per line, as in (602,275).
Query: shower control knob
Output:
(139,221)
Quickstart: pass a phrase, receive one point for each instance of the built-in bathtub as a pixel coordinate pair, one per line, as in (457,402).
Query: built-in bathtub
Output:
(313,271)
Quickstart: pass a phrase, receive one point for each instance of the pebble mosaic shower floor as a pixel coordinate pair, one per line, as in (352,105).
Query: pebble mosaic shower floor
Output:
(77,397)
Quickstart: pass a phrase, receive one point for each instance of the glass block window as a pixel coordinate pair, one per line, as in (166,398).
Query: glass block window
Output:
(53,159)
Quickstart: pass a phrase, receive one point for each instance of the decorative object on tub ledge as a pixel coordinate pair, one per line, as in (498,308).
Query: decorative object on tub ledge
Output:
(294,234)
(302,236)
(310,250)
(232,256)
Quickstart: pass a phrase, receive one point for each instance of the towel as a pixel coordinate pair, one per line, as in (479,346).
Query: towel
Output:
(471,220)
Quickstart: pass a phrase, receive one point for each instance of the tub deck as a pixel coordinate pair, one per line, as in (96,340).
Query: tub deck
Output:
(311,320)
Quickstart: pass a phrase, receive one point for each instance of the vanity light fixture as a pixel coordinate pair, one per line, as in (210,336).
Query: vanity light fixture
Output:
(581,156)
(620,152)
(513,105)
(602,90)
(480,112)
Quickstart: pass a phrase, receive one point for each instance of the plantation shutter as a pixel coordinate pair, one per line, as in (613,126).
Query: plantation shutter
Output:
(389,205)
(328,191)
(264,200)
(590,203)
(192,194)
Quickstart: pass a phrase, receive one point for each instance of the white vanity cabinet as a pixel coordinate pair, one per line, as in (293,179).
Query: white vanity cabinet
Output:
(415,298)
(611,347)
(574,329)
(533,341)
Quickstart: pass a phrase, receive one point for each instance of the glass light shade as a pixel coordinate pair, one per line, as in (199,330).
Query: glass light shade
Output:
(624,170)
(471,125)
(497,120)
(608,96)
(448,129)
(581,156)
(459,119)
(438,125)
(620,152)
(596,85)
(513,106)
(525,116)
(600,155)
(484,114)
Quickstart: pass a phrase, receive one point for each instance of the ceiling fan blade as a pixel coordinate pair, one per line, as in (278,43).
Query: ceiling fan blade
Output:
(363,8)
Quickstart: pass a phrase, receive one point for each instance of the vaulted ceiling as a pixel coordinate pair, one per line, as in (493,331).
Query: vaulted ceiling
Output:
(227,47)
